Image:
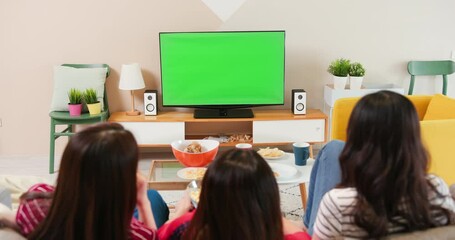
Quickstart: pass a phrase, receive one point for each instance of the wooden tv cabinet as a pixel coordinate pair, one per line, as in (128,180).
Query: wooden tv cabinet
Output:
(268,127)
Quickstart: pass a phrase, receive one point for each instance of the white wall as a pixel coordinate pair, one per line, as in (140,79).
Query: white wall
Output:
(36,35)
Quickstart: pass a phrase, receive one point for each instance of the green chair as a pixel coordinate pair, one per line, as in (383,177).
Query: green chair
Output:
(430,68)
(63,117)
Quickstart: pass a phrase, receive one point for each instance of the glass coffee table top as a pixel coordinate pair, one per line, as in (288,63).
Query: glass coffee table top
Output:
(163,175)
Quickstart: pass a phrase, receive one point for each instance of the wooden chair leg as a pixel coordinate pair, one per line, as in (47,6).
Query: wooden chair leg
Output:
(311,151)
(303,195)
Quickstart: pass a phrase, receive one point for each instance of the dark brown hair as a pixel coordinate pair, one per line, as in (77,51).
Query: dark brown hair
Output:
(385,160)
(96,187)
(239,200)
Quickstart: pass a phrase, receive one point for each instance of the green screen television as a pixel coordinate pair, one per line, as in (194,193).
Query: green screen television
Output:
(222,74)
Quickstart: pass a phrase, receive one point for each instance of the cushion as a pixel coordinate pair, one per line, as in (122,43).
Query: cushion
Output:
(440,107)
(66,78)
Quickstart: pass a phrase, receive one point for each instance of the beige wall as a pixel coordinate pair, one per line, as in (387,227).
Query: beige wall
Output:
(36,35)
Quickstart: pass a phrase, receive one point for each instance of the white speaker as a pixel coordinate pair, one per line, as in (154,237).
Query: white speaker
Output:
(298,101)
(150,102)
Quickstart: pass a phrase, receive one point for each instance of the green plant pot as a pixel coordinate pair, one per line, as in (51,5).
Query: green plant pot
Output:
(94,108)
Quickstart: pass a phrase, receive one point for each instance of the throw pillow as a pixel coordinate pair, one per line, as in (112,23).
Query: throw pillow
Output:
(440,107)
(66,78)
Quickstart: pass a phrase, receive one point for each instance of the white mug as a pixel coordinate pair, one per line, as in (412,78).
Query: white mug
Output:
(244,146)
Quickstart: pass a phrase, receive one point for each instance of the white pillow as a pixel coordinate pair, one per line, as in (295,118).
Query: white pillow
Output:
(66,78)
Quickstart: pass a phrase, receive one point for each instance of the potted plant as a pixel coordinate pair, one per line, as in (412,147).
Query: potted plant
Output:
(356,73)
(75,102)
(340,70)
(91,99)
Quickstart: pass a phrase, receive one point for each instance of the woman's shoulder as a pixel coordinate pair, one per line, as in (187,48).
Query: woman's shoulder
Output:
(41,187)
(33,207)
(437,181)
(440,193)
(174,229)
(343,195)
(297,236)
(140,231)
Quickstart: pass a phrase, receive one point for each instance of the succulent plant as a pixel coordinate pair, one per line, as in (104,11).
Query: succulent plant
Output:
(339,67)
(356,70)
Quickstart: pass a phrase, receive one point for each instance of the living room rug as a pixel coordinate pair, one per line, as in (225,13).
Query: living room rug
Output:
(291,204)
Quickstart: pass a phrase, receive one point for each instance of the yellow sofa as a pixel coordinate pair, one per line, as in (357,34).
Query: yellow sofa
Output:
(438,135)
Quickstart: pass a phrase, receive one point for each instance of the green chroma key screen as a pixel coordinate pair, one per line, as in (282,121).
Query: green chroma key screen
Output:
(222,68)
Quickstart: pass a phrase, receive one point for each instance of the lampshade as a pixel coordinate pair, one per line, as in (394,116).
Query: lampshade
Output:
(131,77)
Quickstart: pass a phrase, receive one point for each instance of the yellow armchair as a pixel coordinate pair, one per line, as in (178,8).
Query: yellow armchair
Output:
(438,135)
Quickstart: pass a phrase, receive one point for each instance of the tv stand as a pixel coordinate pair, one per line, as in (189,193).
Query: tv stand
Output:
(267,128)
(223,113)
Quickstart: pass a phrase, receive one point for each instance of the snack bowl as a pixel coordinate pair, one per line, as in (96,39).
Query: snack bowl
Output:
(201,159)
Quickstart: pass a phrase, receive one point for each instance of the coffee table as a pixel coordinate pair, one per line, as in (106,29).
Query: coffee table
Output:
(163,175)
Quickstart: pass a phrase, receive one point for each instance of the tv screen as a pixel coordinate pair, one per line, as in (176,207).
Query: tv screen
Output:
(222,69)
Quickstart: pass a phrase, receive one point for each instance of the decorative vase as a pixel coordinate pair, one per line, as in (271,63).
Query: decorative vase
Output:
(355,83)
(75,109)
(94,108)
(339,83)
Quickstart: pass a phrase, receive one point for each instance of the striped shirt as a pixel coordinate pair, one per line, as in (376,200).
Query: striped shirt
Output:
(31,212)
(336,221)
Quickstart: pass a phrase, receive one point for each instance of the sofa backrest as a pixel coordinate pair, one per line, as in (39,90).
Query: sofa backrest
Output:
(439,139)
(343,107)
(437,135)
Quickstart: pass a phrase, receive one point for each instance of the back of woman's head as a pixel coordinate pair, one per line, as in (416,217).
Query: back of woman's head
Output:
(239,200)
(96,186)
(385,161)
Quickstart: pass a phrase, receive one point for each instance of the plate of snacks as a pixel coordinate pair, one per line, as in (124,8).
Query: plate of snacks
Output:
(271,153)
(191,173)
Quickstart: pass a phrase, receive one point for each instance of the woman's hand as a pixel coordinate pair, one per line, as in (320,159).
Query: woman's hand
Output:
(184,205)
(141,188)
(289,227)
(143,204)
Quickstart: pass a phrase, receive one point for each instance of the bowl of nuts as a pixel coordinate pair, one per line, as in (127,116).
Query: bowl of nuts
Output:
(195,153)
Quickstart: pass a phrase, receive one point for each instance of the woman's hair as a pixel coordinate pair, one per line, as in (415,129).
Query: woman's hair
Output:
(385,160)
(96,186)
(239,200)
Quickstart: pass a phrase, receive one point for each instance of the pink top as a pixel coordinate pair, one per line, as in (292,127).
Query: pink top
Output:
(174,229)
(31,212)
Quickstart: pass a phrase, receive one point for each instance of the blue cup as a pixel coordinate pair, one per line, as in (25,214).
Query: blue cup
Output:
(301,153)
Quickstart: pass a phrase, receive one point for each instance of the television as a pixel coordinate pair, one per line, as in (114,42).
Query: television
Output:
(222,74)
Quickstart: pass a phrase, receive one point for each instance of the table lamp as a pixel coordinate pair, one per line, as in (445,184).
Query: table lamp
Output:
(131,79)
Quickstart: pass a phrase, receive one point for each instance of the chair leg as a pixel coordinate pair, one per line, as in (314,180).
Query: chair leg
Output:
(52,148)
(444,84)
(411,85)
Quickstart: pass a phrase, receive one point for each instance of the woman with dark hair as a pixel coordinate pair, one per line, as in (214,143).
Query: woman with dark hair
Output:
(239,200)
(97,190)
(384,185)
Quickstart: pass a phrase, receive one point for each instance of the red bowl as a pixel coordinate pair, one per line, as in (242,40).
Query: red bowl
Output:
(209,151)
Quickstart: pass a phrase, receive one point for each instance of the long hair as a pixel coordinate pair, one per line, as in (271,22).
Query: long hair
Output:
(95,194)
(385,160)
(239,200)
